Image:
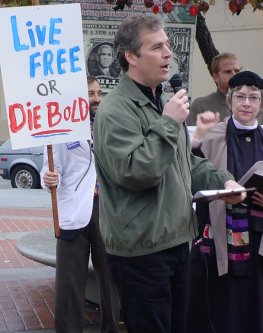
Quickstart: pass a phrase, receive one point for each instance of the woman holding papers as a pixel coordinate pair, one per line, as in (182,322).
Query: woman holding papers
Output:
(226,277)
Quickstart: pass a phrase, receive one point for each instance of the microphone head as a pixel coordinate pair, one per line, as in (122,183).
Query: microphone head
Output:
(176,82)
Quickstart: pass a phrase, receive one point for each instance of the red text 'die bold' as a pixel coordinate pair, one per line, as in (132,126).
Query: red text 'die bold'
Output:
(27,115)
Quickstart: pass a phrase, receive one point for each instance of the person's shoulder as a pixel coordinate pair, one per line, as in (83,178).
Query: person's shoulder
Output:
(203,99)
(122,100)
(121,91)
(110,101)
(197,106)
(59,146)
(65,147)
(209,102)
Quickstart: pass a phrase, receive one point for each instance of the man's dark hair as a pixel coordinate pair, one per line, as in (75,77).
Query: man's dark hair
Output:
(91,79)
(127,37)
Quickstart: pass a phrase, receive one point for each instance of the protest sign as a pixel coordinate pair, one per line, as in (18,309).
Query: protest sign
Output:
(43,73)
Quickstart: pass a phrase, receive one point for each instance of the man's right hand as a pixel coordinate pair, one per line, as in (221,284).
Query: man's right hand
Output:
(51,178)
(178,107)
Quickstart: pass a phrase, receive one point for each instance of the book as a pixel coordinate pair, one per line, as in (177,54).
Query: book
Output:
(210,195)
(253,177)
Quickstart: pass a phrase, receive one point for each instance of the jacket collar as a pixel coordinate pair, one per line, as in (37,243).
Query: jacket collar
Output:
(135,94)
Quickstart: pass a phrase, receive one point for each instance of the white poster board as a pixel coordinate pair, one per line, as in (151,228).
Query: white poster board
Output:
(44,76)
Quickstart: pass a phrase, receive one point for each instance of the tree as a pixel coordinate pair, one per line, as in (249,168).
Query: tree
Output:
(204,41)
(195,6)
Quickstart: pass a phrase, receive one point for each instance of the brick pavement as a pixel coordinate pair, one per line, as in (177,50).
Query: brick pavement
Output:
(26,300)
(27,287)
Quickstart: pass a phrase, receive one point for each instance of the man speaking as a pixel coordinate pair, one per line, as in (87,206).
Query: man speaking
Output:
(147,175)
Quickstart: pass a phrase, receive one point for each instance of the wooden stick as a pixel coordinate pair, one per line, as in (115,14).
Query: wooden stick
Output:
(53,192)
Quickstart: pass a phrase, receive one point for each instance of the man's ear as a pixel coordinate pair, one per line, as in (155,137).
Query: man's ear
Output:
(131,57)
(215,78)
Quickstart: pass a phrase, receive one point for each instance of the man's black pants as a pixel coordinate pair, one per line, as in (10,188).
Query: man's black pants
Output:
(153,289)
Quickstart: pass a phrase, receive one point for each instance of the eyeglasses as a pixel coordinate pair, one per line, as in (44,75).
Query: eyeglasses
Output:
(242,98)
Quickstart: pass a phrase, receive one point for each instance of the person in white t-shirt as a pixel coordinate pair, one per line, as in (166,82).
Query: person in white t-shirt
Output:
(78,207)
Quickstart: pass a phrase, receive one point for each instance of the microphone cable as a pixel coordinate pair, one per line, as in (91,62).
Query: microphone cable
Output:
(206,294)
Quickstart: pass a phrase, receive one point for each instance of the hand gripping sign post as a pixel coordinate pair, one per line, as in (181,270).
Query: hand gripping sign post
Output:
(44,78)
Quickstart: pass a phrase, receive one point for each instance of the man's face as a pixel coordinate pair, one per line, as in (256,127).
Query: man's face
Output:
(94,97)
(106,56)
(228,68)
(152,66)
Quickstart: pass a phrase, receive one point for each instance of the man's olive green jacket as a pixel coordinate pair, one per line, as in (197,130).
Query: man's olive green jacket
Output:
(147,175)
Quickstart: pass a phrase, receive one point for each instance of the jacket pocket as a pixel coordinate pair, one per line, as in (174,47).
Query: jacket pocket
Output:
(131,206)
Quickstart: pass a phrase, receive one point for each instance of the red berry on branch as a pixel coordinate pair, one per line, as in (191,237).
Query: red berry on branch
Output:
(155,9)
(167,6)
(183,2)
(148,3)
(232,6)
(193,10)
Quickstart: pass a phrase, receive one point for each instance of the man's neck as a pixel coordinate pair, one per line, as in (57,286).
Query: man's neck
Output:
(140,81)
(155,99)
(222,91)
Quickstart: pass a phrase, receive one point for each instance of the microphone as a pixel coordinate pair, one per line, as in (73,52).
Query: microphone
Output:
(176,82)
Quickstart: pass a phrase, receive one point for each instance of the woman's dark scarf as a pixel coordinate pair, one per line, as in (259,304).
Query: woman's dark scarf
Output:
(235,152)
(241,155)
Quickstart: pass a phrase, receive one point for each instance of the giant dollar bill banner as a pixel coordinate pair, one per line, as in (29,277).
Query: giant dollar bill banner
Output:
(44,74)
(100,23)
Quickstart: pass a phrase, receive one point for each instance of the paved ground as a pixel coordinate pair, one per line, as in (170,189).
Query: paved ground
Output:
(27,287)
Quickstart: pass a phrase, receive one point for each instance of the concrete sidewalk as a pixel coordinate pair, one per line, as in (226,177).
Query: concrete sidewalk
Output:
(20,198)
(27,287)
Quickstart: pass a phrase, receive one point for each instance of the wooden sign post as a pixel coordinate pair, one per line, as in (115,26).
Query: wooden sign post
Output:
(53,193)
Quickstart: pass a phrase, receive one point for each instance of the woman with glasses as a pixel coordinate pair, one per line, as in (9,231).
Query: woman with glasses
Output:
(226,274)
